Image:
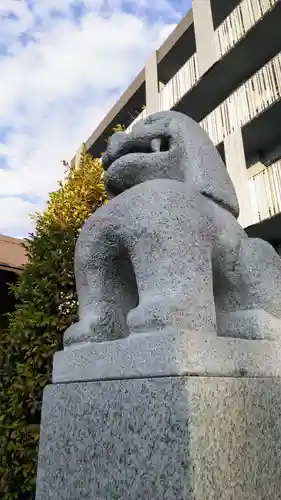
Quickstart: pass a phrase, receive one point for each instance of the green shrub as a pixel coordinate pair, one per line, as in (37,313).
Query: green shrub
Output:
(46,306)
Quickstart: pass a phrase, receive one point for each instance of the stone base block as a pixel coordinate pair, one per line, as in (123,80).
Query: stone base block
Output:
(181,352)
(166,438)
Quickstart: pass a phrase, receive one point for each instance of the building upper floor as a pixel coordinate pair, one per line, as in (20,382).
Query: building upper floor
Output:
(213,51)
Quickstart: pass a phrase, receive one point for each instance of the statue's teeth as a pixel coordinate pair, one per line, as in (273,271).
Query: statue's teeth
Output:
(156,145)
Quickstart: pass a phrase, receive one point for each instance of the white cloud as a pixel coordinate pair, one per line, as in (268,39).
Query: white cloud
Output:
(18,223)
(57,86)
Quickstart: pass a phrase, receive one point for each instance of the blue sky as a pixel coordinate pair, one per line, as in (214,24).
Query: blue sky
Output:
(63,64)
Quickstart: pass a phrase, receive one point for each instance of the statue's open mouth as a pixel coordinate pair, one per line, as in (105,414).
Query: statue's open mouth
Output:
(129,158)
(136,146)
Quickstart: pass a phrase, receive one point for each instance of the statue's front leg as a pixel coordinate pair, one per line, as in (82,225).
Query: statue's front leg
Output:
(250,305)
(105,284)
(174,275)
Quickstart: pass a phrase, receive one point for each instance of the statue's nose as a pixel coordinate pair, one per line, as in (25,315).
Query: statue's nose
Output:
(116,143)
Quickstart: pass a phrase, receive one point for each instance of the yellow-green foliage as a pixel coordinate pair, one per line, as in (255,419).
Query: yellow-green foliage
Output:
(47,305)
(117,128)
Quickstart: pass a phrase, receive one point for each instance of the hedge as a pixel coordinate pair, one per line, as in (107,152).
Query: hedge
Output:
(46,306)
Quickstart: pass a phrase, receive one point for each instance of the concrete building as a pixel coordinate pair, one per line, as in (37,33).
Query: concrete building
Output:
(221,66)
(12,260)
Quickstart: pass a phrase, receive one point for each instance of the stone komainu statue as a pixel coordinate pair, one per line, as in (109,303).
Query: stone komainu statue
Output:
(166,252)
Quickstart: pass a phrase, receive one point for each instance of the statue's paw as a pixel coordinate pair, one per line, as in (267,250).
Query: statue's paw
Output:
(92,329)
(78,333)
(255,324)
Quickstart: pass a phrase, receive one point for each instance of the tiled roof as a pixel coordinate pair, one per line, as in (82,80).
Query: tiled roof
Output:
(12,253)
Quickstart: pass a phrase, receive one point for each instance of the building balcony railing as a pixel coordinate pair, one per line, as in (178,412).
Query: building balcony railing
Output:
(172,92)
(254,96)
(180,84)
(265,191)
(249,100)
(231,30)
(242,19)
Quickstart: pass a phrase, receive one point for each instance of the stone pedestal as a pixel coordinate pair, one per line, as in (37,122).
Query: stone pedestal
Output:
(201,423)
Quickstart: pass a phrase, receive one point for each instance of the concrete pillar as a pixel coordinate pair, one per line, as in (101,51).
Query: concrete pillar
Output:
(204,34)
(237,169)
(151,84)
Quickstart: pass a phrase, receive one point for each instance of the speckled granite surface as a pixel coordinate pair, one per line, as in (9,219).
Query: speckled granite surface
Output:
(184,438)
(175,353)
(166,251)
